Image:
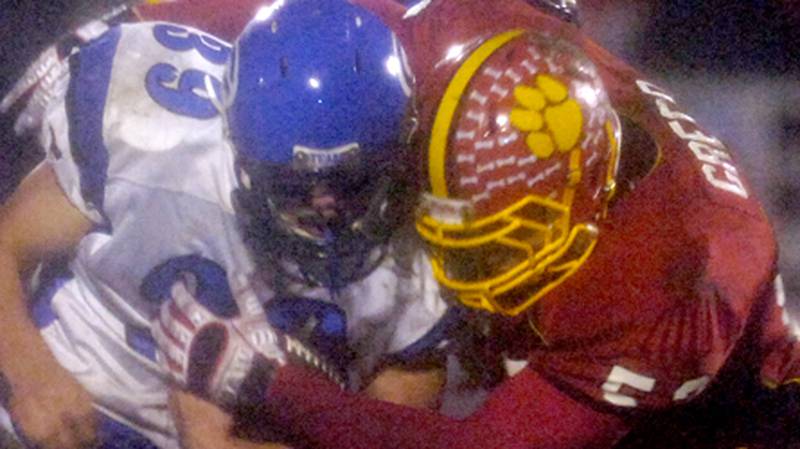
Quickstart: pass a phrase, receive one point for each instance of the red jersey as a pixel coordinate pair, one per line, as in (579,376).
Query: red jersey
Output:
(225,19)
(681,284)
(681,262)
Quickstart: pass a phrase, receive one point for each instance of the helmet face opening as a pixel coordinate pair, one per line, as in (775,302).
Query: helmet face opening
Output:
(319,206)
(325,228)
(321,210)
(505,262)
(522,159)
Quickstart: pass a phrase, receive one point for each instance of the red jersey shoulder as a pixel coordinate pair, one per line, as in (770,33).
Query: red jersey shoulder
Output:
(780,340)
(702,166)
(223,18)
(652,316)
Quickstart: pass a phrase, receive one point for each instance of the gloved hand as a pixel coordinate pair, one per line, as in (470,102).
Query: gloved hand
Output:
(228,360)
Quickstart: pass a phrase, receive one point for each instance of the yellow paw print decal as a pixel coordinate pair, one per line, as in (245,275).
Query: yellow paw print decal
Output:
(552,119)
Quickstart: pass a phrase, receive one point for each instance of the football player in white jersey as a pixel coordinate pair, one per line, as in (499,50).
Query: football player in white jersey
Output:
(291,199)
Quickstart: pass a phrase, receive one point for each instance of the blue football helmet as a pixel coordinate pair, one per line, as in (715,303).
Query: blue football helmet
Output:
(317,109)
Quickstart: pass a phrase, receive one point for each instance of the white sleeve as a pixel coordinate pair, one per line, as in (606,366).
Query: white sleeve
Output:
(425,319)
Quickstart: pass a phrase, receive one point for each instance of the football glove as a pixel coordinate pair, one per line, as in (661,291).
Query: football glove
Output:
(229,361)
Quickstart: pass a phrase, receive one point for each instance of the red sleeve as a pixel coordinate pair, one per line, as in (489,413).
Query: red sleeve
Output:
(222,18)
(780,340)
(523,412)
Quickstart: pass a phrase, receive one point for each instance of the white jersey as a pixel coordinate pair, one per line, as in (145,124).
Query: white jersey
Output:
(137,146)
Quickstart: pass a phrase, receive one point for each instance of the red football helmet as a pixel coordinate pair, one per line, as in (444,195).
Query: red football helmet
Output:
(521,163)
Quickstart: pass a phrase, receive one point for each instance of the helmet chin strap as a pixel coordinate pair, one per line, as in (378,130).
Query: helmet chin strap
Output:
(334,283)
(333,266)
(333,271)
(327,273)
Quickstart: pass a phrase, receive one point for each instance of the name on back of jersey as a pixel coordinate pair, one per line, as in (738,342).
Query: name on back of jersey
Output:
(716,163)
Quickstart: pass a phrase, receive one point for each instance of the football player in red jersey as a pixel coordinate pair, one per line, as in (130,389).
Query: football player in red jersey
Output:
(225,19)
(613,253)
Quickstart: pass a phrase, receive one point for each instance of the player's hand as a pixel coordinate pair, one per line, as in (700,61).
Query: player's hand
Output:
(204,426)
(227,359)
(50,408)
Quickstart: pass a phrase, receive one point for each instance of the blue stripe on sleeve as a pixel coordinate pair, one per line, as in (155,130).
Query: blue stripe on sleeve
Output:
(52,277)
(112,434)
(434,342)
(86,100)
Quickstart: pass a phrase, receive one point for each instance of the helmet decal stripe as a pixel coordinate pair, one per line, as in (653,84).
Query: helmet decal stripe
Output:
(444,116)
(614,134)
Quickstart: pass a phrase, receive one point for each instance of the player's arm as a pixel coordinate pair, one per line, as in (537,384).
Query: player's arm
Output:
(242,363)
(414,380)
(203,425)
(413,386)
(526,411)
(47,404)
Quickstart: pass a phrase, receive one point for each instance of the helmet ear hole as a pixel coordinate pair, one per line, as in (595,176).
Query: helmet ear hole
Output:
(636,164)
(284,67)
